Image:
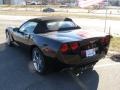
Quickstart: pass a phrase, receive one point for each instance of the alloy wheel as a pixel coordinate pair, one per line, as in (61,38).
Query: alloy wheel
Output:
(37,60)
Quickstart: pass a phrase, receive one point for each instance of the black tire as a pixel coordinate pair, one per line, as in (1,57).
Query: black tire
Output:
(39,61)
(9,41)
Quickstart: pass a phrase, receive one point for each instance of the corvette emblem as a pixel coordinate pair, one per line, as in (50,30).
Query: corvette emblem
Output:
(84,34)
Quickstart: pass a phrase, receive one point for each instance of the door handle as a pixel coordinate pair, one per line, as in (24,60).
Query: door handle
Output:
(27,36)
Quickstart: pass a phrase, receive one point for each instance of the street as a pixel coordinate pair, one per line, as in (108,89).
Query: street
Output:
(16,72)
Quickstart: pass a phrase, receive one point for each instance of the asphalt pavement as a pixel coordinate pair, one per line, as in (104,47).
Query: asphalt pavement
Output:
(16,74)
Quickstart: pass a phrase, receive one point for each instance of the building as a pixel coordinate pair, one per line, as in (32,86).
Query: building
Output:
(23,2)
(103,3)
(17,2)
(114,2)
(6,1)
(1,2)
(12,2)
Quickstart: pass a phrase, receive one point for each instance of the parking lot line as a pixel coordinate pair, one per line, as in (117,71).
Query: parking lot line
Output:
(106,65)
(80,83)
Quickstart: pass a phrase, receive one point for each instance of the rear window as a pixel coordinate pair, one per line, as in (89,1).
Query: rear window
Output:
(61,25)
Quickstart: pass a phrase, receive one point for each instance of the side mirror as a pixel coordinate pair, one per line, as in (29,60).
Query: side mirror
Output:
(27,36)
(79,27)
(15,29)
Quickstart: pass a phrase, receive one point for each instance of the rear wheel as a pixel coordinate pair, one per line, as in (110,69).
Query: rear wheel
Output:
(39,62)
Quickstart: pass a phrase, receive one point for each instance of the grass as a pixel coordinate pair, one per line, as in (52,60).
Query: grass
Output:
(76,15)
(115,44)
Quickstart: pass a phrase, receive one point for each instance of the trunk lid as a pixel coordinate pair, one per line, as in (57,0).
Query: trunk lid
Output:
(73,35)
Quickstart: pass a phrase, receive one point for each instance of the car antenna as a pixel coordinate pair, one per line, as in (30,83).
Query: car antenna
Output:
(106,17)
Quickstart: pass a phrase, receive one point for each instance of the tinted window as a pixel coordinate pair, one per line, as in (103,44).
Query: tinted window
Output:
(28,27)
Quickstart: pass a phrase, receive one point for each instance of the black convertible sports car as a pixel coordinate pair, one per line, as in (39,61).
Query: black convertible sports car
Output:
(59,43)
(48,10)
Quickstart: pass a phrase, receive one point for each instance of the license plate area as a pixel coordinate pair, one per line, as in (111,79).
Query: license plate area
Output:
(90,52)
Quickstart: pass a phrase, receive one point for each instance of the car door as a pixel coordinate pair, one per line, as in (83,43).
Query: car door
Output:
(23,34)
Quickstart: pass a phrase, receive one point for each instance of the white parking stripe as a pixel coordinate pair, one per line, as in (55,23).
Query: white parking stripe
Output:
(106,65)
(80,83)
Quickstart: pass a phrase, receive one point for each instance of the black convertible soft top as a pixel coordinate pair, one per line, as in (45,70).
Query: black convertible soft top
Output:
(50,19)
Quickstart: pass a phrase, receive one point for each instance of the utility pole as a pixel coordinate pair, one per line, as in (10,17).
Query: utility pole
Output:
(106,15)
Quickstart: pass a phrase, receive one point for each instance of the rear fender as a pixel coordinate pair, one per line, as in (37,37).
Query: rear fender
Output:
(48,46)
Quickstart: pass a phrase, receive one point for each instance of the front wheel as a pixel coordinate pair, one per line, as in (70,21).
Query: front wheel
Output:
(9,42)
(39,61)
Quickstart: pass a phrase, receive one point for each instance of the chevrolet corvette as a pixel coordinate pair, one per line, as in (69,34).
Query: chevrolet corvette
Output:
(57,42)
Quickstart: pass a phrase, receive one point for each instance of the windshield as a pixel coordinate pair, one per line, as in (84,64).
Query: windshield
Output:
(61,25)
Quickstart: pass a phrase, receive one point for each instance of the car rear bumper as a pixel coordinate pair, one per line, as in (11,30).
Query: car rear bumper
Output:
(76,60)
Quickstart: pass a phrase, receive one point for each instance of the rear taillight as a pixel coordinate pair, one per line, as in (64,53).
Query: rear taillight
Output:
(105,40)
(102,41)
(74,46)
(64,48)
